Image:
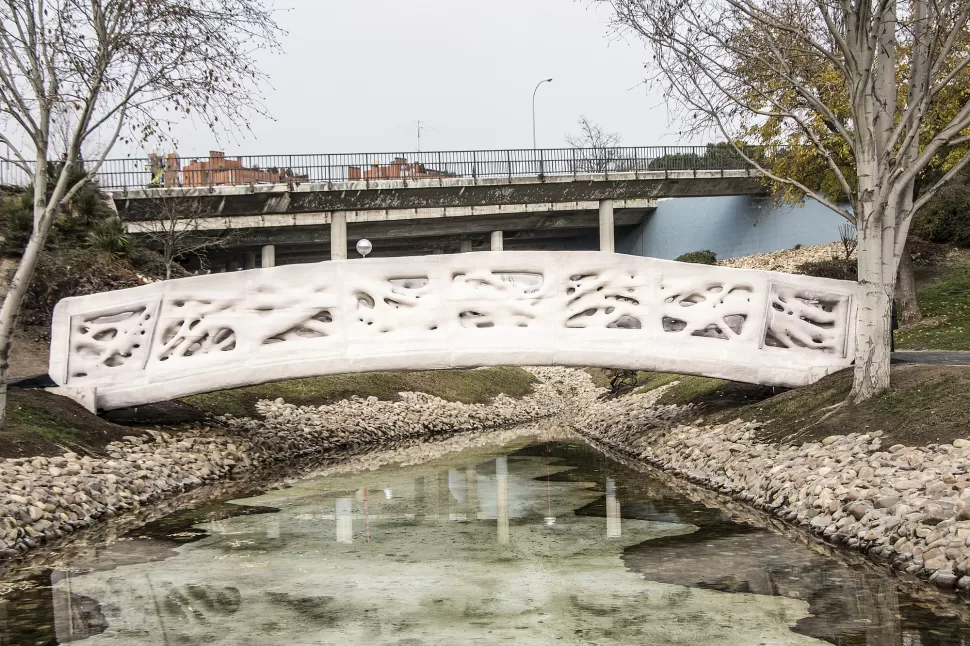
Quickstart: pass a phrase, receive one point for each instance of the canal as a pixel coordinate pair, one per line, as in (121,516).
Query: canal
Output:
(530,539)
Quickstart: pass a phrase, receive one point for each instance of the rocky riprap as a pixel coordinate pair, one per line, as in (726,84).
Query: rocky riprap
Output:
(47,498)
(786,260)
(905,506)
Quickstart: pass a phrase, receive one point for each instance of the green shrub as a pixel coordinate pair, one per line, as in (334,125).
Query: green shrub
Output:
(705,257)
(946,217)
(110,237)
(836,268)
(72,272)
(16,222)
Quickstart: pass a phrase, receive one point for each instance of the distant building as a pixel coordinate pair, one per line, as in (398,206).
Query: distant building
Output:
(400,168)
(217,170)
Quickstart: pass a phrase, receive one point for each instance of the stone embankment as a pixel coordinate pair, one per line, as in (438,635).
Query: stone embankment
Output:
(908,507)
(47,498)
(786,260)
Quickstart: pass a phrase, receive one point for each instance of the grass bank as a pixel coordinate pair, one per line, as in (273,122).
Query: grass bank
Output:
(467,386)
(927,404)
(40,423)
(945,303)
(705,393)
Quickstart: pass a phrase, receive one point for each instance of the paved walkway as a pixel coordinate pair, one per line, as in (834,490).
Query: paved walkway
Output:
(939,358)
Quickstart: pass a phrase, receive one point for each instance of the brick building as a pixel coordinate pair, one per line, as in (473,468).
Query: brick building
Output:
(398,169)
(217,170)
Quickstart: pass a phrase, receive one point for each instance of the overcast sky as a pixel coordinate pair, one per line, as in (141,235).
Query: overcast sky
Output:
(356,75)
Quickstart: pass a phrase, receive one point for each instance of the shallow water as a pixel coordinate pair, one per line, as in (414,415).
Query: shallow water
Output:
(531,542)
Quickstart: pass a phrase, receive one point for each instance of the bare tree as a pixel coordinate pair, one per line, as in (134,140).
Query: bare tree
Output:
(823,73)
(596,148)
(177,228)
(111,69)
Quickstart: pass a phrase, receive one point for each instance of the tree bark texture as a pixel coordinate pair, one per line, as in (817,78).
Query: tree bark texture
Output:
(873,323)
(909,311)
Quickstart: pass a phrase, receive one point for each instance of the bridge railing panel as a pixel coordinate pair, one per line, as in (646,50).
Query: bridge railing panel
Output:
(226,330)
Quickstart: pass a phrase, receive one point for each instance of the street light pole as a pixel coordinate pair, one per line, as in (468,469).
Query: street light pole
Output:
(534,110)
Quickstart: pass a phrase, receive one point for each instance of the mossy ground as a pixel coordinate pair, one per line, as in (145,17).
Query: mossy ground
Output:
(39,423)
(467,386)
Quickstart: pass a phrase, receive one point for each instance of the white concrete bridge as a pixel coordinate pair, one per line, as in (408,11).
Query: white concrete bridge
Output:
(217,331)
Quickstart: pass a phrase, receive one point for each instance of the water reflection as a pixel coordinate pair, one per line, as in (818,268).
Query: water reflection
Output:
(473,548)
(612,510)
(502,498)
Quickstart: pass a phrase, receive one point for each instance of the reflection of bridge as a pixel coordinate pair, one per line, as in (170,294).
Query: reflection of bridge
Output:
(424,203)
(217,331)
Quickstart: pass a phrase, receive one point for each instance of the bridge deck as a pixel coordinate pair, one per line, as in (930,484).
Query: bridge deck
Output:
(438,193)
(217,331)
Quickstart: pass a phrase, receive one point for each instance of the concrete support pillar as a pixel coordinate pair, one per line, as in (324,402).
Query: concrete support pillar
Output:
(234,265)
(269,256)
(338,236)
(606,225)
(498,241)
(466,246)
(250,260)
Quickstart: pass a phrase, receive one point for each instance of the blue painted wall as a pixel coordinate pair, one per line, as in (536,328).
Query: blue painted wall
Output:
(730,227)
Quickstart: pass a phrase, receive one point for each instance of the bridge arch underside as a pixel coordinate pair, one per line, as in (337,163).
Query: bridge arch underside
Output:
(218,331)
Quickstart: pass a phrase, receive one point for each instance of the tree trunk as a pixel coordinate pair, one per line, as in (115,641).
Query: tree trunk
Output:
(873,326)
(906,289)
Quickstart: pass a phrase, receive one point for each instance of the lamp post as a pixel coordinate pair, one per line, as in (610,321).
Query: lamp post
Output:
(534,110)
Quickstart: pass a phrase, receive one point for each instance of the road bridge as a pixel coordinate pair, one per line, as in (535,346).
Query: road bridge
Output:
(216,331)
(291,208)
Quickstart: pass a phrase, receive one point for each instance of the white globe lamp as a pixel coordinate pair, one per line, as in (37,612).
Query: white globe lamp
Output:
(364,247)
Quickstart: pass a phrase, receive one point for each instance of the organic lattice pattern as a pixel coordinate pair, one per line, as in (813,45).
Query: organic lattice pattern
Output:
(222,330)
(717,310)
(806,319)
(103,342)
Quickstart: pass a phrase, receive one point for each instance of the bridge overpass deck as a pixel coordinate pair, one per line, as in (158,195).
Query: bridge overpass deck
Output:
(453,201)
(438,193)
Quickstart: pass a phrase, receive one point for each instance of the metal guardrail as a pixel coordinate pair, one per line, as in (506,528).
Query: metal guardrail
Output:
(175,171)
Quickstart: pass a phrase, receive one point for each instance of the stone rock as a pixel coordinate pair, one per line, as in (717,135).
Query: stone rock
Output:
(885,502)
(858,510)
